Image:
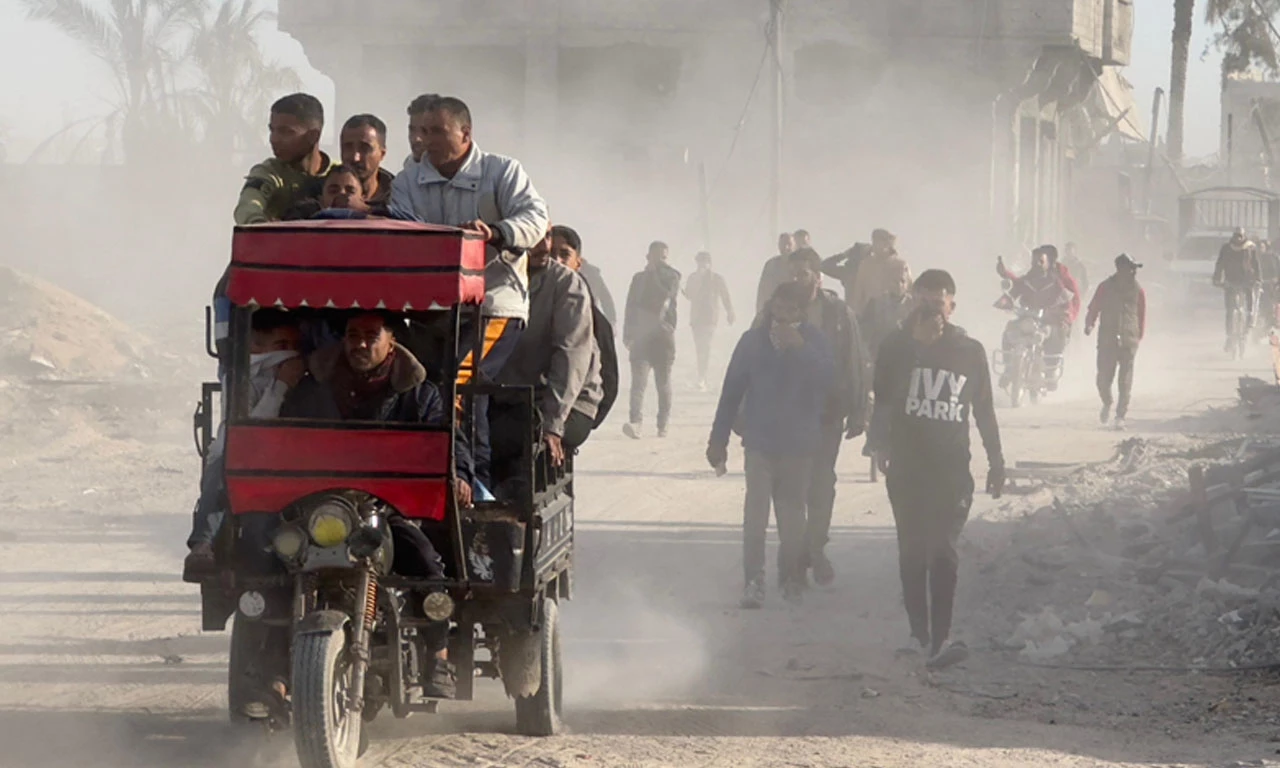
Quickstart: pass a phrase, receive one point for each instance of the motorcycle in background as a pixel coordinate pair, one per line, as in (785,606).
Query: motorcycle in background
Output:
(1022,364)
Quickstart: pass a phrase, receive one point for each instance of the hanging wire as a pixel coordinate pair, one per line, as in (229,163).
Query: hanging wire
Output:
(742,122)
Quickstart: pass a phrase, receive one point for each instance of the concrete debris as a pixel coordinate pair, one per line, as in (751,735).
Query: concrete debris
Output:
(1169,554)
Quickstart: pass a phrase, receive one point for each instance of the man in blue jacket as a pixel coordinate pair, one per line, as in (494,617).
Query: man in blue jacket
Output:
(784,371)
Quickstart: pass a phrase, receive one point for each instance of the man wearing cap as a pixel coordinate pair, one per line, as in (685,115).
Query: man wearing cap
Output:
(877,272)
(1119,311)
(1237,273)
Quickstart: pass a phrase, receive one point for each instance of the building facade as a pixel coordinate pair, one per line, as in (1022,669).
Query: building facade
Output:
(945,117)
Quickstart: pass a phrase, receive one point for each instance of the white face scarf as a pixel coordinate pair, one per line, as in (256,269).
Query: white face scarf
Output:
(262,369)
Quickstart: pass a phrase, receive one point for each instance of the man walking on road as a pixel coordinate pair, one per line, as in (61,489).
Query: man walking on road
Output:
(707,293)
(649,334)
(844,416)
(930,378)
(1119,312)
(782,370)
(775,271)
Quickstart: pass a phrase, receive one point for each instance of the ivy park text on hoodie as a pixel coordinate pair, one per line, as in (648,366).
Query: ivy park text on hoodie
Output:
(925,395)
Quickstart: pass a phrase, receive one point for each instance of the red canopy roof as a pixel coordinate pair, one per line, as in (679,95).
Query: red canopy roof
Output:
(369,264)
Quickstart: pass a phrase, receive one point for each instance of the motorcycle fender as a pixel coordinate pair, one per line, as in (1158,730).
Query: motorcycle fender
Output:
(322,623)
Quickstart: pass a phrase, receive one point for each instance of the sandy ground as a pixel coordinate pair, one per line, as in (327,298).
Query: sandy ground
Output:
(102,661)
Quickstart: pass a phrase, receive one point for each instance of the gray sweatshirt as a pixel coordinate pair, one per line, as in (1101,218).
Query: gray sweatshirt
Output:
(557,352)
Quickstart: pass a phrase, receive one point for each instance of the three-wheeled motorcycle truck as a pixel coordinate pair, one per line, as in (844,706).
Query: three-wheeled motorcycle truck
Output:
(322,629)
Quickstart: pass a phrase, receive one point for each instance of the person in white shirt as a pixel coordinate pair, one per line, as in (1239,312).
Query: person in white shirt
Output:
(275,367)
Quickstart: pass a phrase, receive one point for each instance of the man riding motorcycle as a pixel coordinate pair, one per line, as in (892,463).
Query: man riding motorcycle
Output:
(1043,289)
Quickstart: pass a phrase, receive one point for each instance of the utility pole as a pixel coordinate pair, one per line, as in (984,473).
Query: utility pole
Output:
(779,105)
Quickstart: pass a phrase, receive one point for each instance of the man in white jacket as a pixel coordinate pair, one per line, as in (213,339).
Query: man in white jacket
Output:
(457,184)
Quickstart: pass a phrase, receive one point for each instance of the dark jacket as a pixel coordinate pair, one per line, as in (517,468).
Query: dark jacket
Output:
(847,402)
(408,399)
(773,274)
(1119,308)
(650,324)
(781,393)
(1237,268)
(599,291)
(925,395)
(380,202)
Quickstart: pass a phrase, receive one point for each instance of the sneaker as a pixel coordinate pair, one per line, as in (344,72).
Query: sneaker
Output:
(949,655)
(793,592)
(199,564)
(1105,414)
(1120,425)
(662,431)
(823,573)
(702,386)
(441,681)
(632,431)
(753,595)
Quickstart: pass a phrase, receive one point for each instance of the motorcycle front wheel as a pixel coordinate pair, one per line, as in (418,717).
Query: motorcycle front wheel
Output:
(326,731)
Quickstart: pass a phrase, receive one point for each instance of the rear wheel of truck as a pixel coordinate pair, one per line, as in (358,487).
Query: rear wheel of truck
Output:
(326,731)
(539,714)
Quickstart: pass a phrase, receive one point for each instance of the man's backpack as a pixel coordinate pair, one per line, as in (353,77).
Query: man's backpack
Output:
(608,362)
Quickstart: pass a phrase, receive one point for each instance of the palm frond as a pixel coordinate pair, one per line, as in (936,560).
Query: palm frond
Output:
(81,21)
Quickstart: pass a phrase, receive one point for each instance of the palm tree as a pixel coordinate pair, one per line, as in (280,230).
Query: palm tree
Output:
(1247,35)
(235,82)
(133,38)
(1183,14)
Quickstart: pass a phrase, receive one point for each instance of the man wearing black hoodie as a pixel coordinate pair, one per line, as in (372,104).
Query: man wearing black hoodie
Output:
(930,378)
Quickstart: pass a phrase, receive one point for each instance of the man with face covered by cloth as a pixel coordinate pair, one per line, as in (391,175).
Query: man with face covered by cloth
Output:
(930,379)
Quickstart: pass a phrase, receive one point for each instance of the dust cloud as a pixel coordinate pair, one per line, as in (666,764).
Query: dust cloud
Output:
(618,158)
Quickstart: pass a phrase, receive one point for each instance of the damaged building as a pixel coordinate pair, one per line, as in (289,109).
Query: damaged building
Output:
(951,121)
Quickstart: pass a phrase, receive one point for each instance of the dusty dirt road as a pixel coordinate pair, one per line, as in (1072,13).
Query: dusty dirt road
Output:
(102,663)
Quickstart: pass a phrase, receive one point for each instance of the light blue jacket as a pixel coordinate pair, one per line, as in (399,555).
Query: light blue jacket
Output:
(495,190)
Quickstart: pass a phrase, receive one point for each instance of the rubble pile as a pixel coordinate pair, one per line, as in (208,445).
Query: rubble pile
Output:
(49,333)
(1167,555)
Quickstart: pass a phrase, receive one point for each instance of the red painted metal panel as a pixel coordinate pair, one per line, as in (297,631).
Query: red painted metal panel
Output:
(306,449)
(374,243)
(413,498)
(344,290)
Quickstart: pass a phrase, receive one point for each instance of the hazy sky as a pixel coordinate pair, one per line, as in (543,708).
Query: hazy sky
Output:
(48,80)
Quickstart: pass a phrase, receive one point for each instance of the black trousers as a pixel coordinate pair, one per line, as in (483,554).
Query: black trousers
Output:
(930,509)
(416,557)
(1114,356)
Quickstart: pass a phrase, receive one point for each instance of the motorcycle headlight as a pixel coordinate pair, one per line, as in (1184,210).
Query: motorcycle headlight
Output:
(329,529)
(288,542)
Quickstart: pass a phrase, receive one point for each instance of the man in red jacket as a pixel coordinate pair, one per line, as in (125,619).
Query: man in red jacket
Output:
(1119,312)
(1064,275)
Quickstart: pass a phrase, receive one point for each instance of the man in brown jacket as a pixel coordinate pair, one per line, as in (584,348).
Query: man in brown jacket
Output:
(878,272)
